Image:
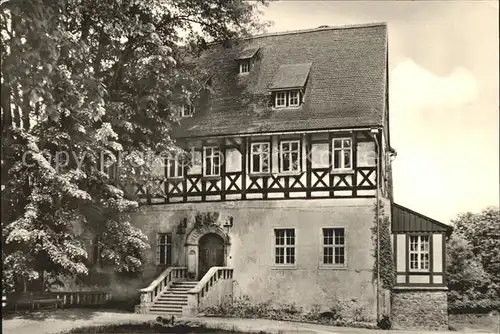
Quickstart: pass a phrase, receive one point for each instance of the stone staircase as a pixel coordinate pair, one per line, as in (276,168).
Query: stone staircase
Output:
(173,299)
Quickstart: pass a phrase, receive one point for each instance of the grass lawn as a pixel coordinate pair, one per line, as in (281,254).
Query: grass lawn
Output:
(475,323)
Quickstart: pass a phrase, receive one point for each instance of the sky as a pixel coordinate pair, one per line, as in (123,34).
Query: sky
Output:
(444,94)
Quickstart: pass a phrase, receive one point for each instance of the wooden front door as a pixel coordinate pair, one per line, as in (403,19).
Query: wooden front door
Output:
(211,253)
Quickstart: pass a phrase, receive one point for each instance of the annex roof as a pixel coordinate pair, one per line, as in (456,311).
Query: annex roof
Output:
(406,220)
(345,68)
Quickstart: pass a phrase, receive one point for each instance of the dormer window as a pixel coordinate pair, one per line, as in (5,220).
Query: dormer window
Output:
(187,110)
(280,99)
(287,99)
(289,84)
(245,66)
(293,98)
(246,59)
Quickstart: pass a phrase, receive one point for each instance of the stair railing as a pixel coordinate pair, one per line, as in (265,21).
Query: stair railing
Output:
(197,294)
(155,289)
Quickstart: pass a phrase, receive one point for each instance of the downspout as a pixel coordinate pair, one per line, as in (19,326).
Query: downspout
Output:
(374,133)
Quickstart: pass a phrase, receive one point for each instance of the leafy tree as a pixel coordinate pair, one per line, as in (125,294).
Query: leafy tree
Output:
(80,78)
(473,261)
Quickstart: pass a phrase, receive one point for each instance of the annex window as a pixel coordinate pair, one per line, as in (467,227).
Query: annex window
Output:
(284,246)
(289,156)
(175,167)
(333,246)
(187,110)
(245,65)
(287,99)
(419,252)
(164,249)
(211,166)
(260,158)
(342,153)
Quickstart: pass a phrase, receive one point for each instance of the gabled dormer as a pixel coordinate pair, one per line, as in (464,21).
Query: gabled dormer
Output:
(246,59)
(186,110)
(288,86)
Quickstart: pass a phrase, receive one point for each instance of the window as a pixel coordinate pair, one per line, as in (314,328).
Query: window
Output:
(284,246)
(289,156)
(260,158)
(164,249)
(280,99)
(287,99)
(187,110)
(419,252)
(333,246)
(175,168)
(293,99)
(245,66)
(342,153)
(211,167)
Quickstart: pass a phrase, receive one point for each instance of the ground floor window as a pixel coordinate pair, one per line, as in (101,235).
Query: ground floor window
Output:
(284,246)
(164,249)
(419,252)
(333,246)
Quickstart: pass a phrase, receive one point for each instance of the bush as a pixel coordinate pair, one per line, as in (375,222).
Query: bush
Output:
(384,322)
(345,314)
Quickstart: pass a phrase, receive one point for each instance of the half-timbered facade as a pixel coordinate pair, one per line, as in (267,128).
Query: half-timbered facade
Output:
(284,158)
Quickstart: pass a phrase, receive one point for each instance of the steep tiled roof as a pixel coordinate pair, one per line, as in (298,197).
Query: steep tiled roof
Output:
(346,86)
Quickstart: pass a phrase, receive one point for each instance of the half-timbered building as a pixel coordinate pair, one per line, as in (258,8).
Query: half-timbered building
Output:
(288,151)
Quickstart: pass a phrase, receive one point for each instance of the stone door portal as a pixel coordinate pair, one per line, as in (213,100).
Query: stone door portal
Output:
(211,253)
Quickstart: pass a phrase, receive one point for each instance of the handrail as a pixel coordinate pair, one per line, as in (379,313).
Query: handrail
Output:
(160,278)
(212,276)
(153,290)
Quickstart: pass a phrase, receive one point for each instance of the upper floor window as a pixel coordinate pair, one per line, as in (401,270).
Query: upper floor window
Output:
(164,249)
(333,246)
(284,246)
(342,153)
(187,110)
(260,158)
(287,99)
(175,167)
(245,65)
(211,166)
(419,252)
(289,156)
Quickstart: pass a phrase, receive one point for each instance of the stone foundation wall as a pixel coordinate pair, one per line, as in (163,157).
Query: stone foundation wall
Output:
(421,309)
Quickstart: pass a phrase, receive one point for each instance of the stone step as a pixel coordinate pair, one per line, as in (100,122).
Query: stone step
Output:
(186,282)
(169,303)
(166,312)
(179,289)
(166,309)
(175,293)
(172,298)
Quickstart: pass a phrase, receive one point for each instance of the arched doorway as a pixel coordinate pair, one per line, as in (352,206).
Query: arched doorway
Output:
(211,253)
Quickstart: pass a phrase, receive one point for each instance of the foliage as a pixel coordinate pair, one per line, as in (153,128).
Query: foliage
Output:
(387,270)
(82,80)
(162,325)
(341,313)
(473,262)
